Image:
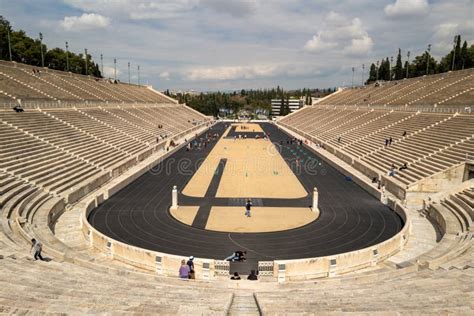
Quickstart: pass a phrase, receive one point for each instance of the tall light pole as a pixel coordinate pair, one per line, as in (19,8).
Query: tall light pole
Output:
(138,67)
(362,77)
(352,77)
(102,65)
(115,69)
(128,72)
(390,68)
(454,49)
(41,46)
(67,56)
(408,62)
(377,72)
(85,53)
(428,58)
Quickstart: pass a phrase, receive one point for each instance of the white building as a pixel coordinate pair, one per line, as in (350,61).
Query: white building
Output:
(294,104)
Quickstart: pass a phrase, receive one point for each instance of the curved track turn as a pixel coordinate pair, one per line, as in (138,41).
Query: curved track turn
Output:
(350,217)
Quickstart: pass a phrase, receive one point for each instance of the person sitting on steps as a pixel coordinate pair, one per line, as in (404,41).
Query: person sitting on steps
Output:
(403,167)
(236,276)
(252,276)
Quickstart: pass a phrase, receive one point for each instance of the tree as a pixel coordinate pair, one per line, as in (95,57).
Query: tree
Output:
(398,66)
(458,57)
(419,65)
(5,28)
(464,56)
(384,70)
(372,74)
(27,50)
(282,107)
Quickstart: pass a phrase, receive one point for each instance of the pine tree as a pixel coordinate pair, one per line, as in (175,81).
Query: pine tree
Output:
(384,70)
(372,74)
(398,66)
(287,105)
(458,59)
(464,55)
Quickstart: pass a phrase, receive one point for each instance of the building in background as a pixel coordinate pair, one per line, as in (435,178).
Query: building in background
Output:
(282,107)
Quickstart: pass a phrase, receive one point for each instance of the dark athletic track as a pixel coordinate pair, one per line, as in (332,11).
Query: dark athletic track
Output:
(350,218)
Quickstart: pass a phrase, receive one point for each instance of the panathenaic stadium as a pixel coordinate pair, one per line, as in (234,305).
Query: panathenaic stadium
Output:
(120,183)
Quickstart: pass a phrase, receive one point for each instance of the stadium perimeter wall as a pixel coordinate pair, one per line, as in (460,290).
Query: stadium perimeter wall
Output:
(207,269)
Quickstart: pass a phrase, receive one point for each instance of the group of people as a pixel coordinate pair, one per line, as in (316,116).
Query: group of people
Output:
(294,140)
(393,169)
(201,142)
(388,141)
(186,271)
(252,276)
(161,137)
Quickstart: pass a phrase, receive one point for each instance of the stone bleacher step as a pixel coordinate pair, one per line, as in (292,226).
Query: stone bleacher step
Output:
(244,304)
(12,190)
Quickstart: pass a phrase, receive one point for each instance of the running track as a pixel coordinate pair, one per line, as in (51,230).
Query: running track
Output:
(350,218)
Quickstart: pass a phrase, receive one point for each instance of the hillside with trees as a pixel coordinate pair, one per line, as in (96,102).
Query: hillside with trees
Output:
(424,64)
(210,103)
(27,50)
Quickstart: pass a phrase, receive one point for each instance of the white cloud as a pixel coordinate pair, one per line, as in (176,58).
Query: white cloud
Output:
(136,9)
(109,72)
(87,21)
(165,75)
(233,7)
(407,8)
(443,37)
(253,72)
(343,33)
(218,39)
(318,44)
(231,72)
(359,46)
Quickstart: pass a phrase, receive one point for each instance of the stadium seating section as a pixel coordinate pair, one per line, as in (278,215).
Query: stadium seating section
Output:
(452,89)
(53,154)
(33,85)
(427,142)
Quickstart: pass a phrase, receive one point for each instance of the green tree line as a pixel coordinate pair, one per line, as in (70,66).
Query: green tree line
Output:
(27,50)
(423,64)
(210,103)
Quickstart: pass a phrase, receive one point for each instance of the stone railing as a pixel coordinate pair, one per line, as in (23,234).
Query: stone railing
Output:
(76,104)
(463,109)
(328,266)
(208,269)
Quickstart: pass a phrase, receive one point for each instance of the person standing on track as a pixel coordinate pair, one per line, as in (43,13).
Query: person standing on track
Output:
(248,206)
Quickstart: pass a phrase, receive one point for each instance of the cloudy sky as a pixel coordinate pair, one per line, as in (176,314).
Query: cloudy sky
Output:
(209,45)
